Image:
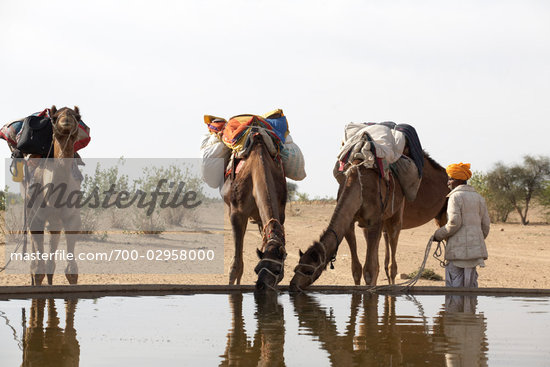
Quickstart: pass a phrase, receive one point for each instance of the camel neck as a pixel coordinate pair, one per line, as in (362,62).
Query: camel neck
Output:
(63,147)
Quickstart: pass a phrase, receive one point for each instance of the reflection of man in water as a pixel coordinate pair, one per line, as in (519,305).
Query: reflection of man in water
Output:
(464,332)
(466,229)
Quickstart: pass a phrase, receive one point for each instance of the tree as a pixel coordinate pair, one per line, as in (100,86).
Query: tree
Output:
(544,197)
(291,189)
(517,185)
(2,200)
(498,206)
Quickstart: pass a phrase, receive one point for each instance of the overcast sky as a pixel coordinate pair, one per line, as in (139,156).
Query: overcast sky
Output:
(473,77)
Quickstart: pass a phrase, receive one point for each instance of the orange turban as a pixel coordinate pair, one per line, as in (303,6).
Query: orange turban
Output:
(459,171)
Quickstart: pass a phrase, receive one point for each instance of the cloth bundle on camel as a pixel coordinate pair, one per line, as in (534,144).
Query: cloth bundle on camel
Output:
(32,136)
(37,127)
(383,145)
(231,139)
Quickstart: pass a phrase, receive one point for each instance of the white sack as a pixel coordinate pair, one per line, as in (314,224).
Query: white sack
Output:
(215,156)
(293,160)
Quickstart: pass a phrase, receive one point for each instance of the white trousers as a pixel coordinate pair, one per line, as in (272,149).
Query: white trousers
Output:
(460,277)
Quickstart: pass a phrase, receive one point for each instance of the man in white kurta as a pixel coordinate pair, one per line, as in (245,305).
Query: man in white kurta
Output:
(466,229)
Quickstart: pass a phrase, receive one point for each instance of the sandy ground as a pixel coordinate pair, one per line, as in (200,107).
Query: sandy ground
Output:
(519,256)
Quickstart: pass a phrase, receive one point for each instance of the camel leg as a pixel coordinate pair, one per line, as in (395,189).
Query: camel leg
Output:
(50,263)
(387,256)
(372,267)
(38,267)
(71,271)
(392,228)
(368,334)
(70,309)
(53,319)
(352,322)
(356,269)
(73,226)
(238,224)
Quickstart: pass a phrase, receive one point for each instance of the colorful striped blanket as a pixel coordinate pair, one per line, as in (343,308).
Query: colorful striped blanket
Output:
(236,131)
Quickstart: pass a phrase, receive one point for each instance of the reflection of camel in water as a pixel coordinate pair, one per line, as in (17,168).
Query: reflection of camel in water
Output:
(65,132)
(380,341)
(267,349)
(50,345)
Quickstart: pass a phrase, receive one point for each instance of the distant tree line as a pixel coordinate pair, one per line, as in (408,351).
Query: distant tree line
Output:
(514,188)
(506,188)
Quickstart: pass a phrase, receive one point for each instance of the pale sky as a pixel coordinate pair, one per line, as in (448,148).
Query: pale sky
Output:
(473,77)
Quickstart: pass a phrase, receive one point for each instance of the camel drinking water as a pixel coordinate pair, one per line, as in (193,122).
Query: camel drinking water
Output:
(258,191)
(377,207)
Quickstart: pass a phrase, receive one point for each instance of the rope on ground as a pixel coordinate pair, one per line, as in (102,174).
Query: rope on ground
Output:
(411,282)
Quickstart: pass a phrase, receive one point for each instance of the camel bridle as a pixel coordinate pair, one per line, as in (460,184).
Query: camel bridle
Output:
(56,130)
(275,238)
(322,263)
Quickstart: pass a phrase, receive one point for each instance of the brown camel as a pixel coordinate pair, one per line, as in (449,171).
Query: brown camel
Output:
(58,171)
(430,203)
(258,191)
(377,206)
(50,345)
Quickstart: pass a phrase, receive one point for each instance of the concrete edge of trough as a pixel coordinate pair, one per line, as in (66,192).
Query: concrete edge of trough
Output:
(102,290)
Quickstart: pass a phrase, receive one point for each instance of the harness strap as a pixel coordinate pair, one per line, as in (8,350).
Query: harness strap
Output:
(333,258)
(266,237)
(276,276)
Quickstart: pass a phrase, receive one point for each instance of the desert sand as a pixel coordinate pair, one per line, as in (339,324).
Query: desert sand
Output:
(519,256)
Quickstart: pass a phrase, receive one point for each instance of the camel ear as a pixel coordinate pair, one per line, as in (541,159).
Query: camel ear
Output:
(77,111)
(53,111)
(282,252)
(260,254)
(300,253)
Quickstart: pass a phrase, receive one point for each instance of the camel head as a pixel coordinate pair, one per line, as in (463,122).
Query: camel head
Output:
(311,265)
(271,267)
(65,121)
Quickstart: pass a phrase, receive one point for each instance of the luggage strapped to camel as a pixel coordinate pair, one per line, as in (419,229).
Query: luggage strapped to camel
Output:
(33,135)
(381,145)
(231,140)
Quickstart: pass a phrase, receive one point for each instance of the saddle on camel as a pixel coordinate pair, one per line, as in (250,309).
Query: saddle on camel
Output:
(44,147)
(247,157)
(387,183)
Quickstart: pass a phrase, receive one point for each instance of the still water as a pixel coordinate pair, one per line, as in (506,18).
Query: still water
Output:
(301,330)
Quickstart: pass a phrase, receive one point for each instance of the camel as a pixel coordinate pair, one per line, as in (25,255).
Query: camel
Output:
(430,203)
(258,191)
(363,197)
(50,345)
(56,171)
